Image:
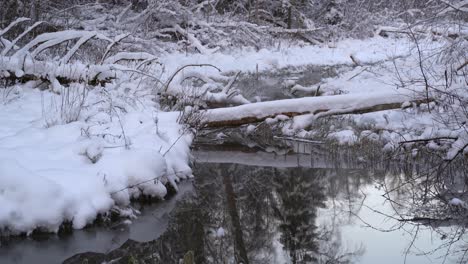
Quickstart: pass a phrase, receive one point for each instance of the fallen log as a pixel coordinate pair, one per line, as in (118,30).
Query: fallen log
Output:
(64,80)
(451,33)
(317,106)
(22,70)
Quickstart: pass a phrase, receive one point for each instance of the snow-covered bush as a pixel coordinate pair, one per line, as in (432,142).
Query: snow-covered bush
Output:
(205,26)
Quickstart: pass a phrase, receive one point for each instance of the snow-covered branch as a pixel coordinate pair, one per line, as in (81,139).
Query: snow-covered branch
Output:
(12,24)
(23,65)
(461,7)
(48,40)
(194,41)
(13,43)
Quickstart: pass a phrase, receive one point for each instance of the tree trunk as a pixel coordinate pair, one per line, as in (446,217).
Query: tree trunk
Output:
(240,251)
(319,106)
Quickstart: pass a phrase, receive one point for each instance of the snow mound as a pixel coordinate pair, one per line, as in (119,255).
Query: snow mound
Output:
(456,202)
(74,171)
(344,137)
(22,194)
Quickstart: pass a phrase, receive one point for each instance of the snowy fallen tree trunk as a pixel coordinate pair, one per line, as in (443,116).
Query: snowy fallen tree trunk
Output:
(15,70)
(451,32)
(316,106)
(27,69)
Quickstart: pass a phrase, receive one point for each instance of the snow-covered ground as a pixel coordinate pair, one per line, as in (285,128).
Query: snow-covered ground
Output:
(52,171)
(248,60)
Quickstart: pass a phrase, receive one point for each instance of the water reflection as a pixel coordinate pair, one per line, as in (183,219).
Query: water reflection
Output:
(303,209)
(270,215)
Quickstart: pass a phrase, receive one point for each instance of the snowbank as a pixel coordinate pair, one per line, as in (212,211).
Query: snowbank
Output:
(52,171)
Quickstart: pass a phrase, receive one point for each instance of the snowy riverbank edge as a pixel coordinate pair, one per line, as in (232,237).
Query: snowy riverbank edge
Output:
(71,172)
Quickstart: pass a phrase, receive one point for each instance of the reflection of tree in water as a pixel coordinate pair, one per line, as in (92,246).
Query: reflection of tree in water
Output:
(185,233)
(249,214)
(241,195)
(258,205)
(343,189)
(298,196)
(252,192)
(420,192)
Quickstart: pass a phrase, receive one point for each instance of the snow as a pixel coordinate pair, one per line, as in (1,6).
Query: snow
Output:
(83,168)
(459,146)
(75,48)
(129,56)
(344,136)
(220,232)
(86,159)
(457,6)
(194,41)
(20,36)
(307,105)
(367,51)
(13,24)
(250,129)
(386,74)
(456,202)
(44,69)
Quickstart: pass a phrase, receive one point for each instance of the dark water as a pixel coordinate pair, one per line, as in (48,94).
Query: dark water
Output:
(262,207)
